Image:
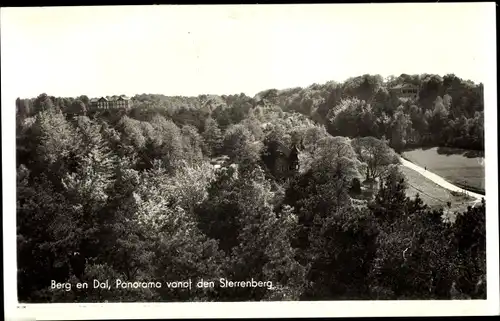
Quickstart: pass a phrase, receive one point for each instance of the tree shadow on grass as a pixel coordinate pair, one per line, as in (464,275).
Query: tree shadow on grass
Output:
(458,151)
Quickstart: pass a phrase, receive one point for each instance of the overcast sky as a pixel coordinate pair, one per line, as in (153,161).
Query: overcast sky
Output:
(191,50)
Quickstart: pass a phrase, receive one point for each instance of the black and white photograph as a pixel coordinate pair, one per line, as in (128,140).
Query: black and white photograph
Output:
(250,153)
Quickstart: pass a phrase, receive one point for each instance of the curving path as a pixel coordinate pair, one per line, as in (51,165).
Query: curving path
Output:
(440,181)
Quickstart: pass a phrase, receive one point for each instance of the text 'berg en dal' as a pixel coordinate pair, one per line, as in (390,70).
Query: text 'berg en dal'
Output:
(184,284)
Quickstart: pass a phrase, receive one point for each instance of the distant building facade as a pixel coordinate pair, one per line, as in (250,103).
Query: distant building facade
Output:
(405,91)
(282,161)
(111,103)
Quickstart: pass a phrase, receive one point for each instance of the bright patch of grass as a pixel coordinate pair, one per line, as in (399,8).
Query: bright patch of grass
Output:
(460,167)
(434,195)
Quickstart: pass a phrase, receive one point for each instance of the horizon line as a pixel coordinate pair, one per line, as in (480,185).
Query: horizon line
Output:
(131,95)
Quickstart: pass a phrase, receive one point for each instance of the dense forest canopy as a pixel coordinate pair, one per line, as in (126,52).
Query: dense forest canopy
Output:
(238,187)
(448,111)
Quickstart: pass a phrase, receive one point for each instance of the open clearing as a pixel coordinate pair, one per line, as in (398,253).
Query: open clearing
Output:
(434,195)
(460,167)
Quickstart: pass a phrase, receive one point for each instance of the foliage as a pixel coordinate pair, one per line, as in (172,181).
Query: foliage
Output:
(134,194)
(375,154)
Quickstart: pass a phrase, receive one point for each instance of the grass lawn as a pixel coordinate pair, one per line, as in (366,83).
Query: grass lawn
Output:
(432,194)
(459,167)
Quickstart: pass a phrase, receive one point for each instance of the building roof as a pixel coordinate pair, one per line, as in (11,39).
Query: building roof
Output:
(283,150)
(286,151)
(113,98)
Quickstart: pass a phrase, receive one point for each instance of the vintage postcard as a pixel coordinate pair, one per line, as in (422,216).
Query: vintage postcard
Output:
(250,161)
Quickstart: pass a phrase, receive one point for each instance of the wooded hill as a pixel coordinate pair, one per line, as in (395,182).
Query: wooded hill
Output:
(131,194)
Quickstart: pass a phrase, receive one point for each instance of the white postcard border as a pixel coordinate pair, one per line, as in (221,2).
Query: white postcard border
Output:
(17,311)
